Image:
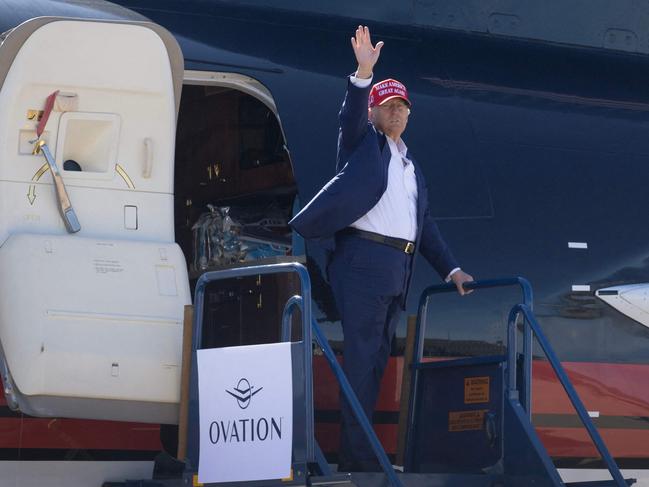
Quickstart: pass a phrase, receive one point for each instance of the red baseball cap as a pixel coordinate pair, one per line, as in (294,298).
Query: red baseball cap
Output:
(386,90)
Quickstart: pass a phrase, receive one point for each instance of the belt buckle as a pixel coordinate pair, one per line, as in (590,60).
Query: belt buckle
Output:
(410,248)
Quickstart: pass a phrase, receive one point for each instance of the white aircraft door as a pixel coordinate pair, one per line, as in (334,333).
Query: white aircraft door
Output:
(90,322)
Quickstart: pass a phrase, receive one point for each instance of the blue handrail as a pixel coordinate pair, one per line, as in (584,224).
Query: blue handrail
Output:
(357,409)
(305,289)
(528,298)
(294,302)
(533,326)
(345,386)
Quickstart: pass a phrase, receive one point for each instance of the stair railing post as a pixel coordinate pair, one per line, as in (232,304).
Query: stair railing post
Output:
(569,388)
(307,337)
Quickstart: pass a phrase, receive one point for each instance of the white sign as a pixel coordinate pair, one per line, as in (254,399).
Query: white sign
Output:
(246,413)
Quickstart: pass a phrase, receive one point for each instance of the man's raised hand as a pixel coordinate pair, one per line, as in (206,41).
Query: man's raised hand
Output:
(366,54)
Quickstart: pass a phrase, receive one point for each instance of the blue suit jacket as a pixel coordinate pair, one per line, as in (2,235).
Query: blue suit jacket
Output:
(361,179)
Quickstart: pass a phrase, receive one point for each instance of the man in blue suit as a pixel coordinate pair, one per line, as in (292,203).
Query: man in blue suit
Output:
(373,216)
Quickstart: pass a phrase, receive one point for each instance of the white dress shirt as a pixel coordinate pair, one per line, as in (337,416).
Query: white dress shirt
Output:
(395,214)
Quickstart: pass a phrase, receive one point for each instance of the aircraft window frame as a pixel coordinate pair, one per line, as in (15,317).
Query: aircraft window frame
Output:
(235,81)
(240,82)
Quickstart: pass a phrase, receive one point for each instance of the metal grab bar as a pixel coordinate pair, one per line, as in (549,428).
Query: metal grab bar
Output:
(528,297)
(305,289)
(533,326)
(345,387)
(294,302)
(357,409)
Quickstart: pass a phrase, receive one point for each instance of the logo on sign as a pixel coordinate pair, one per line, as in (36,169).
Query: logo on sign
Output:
(243,392)
(237,430)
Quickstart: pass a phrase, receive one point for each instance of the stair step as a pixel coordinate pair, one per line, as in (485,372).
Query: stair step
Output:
(366,479)
(335,480)
(598,483)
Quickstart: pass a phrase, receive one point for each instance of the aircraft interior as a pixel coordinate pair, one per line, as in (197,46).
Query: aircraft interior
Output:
(234,195)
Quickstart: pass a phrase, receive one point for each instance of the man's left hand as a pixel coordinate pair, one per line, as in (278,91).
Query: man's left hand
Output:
(459,278)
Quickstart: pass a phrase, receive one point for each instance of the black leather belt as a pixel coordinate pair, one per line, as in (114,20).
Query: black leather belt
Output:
(398,243)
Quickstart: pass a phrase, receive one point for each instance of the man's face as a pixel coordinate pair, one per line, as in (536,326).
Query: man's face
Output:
(391,118)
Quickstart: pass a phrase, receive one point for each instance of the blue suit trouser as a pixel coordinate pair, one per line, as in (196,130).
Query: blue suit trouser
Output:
(368,280)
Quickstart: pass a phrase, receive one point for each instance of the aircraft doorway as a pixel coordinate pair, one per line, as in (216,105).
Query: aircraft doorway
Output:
(234,193)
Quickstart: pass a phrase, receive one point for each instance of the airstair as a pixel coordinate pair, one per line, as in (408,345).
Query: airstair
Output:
(469,419)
